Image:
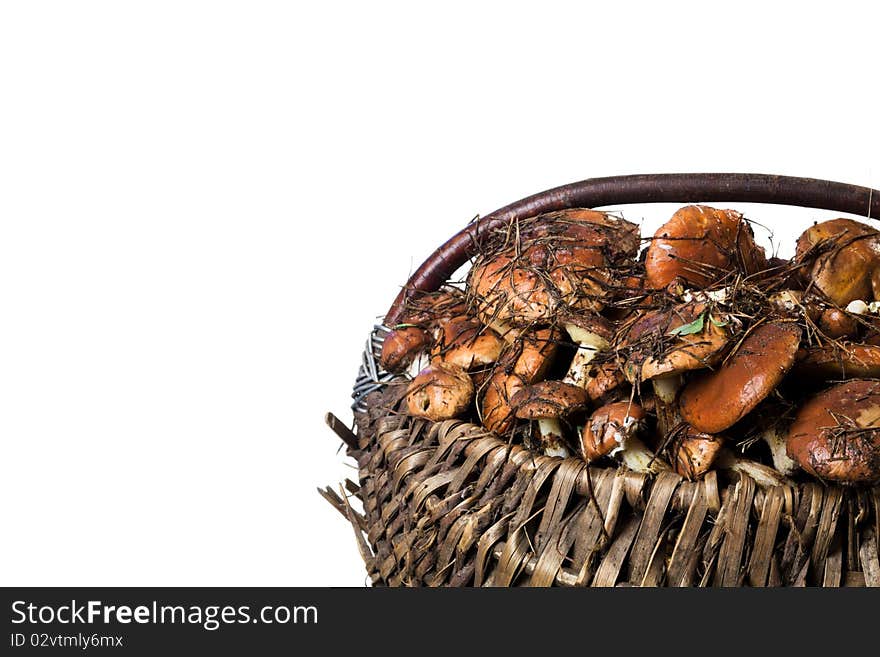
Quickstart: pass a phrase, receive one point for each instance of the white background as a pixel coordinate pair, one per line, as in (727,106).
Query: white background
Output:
(204,206)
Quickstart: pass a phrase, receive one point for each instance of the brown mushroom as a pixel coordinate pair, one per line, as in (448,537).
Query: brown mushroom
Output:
(440,392)
(702,245)
(465,342)
(422,315)
(846,360)
(603,379)
(525,362)
(401,347)
(559,260)
(664,344)
(695,452)
(836,434)
(841,259)
(836,323)
(547,402)
(714,401)
(613,430)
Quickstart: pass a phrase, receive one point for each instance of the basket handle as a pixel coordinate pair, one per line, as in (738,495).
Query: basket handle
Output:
(641,188)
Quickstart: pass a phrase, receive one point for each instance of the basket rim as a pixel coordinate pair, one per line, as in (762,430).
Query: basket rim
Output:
(639,188)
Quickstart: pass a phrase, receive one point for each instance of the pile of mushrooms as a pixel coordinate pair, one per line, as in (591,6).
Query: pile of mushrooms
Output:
(689,352)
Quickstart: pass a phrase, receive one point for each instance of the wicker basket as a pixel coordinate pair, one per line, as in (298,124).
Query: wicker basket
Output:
(450,504)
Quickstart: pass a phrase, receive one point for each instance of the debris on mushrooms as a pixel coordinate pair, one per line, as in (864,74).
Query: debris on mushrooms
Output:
(547,402)
(613,430)
(558,260)
(663,345)
(716,400)
(423,315)
(836,434)
(591,334)
(695,452)
(702,245)
(440,392)
(603,379)
(841,258)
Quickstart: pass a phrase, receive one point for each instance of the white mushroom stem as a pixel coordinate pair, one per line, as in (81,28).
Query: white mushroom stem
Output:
(764,476)
(666,387)
(781,460)
(636,456)
(589,344)
(551,438)
(634,453)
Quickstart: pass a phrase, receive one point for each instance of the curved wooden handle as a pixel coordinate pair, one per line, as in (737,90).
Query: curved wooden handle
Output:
(642,188)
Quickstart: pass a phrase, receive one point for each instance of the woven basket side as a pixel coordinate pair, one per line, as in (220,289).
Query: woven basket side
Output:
(448,504)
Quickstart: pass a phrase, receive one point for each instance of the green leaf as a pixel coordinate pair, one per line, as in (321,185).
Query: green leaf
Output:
(695,326)
(717,323)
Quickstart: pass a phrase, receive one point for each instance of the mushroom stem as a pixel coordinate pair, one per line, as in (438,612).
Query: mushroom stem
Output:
(666,387)
(666,390)
(636,456)
(580,364)
(764,476)
(552,443)
(781,460)
(589,344)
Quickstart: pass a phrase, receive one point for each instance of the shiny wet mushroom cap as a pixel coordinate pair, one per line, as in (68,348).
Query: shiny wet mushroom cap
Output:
(846,360)
(702,245)
(716,400)
(440,392)
(836,434)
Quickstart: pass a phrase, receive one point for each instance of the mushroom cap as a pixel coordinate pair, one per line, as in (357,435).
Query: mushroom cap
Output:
(653,352)
(401,346)
(714,401)
(845,257)
(603,378)
(695,452)
(837,323)
(547,399)
(495,411)
(845,360)
(618,238)
(836,434)
(465,342)
(608,427)
(509,291)
(588,327)
(432,309)
(561,260)
(702,245)
(534,352)
(440,392)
